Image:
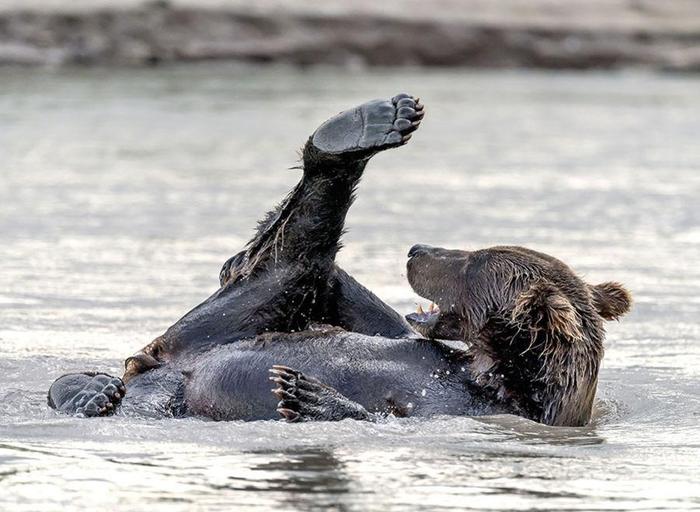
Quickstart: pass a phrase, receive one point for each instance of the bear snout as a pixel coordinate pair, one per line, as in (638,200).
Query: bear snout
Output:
(419,249)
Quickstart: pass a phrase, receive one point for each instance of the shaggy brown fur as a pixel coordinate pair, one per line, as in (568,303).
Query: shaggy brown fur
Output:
(534,328)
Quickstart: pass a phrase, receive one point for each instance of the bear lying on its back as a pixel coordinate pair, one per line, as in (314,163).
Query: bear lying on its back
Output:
(531,332)
(533,342)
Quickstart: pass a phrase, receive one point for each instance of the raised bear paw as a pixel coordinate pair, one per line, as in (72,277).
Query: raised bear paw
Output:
(371,127)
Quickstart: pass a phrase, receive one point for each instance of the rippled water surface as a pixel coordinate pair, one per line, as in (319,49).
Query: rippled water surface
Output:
(122,192)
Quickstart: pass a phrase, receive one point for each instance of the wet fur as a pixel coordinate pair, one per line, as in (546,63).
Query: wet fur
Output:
(286,277)
(534,328)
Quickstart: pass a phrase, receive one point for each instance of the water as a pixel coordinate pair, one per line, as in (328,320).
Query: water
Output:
(122,193)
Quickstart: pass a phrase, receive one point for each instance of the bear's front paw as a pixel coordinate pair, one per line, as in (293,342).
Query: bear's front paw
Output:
(304,398)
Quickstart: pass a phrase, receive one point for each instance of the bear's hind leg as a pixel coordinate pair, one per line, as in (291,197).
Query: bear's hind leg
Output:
(306,227)
(300,238)
(86,394)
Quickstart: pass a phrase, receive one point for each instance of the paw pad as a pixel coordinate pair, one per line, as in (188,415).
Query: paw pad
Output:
(409,114)
(371,127)
(99,397)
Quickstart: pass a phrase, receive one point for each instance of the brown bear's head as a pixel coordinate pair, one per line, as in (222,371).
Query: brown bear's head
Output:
(534,328)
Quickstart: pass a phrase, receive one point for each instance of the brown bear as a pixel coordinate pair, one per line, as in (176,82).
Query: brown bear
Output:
(534,329)
(533,342)
(531,332)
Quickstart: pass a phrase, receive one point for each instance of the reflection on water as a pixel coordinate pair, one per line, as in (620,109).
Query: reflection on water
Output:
(122,192)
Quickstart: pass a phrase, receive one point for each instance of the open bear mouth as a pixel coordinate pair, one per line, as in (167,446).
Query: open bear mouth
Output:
(424,318)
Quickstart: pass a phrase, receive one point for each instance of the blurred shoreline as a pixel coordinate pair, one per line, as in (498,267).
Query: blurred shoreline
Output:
(549,34)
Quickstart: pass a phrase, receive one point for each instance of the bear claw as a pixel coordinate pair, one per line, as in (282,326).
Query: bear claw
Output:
(303,398)
(295,392)
(288,414)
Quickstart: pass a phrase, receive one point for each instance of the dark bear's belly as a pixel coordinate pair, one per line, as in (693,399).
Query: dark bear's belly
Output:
(405,377)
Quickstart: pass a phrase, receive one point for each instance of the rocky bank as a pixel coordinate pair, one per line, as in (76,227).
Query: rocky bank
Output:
(576,34)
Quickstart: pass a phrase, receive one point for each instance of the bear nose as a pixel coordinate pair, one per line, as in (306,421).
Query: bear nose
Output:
(418,249)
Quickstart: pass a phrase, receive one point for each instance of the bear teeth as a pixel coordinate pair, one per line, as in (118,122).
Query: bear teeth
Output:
(433,309)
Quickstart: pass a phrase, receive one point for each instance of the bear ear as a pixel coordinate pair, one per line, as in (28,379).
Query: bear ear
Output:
(611,300)
(543,306)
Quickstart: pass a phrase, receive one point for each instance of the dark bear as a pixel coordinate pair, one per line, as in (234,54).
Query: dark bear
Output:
(533,334)
(532,343)
(528,332)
